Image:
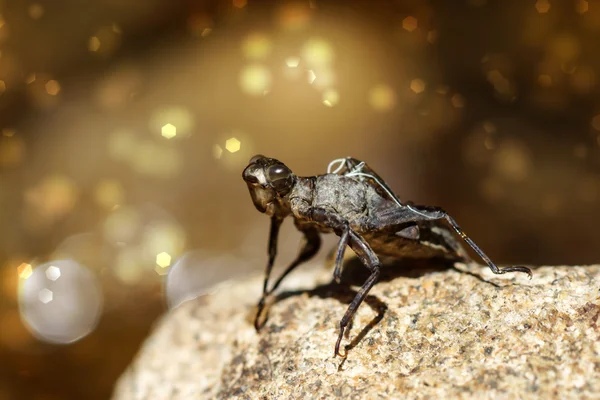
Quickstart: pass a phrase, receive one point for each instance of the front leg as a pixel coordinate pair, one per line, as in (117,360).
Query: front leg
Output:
(273,237)
(310,245)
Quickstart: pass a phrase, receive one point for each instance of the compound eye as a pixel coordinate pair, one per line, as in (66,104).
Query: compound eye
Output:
(279,175)
(256,158)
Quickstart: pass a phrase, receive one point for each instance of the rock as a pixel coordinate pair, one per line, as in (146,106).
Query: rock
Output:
(436,334)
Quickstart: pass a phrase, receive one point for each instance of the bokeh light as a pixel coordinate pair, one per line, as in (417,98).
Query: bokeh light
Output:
(232,145)
(417,85)
(256,46)
(60,301)
(24,270)
(542,6)
(382,98)
(35,11)
(109,193)
(172,121)
(331,97)
(168,131)
(410,23)
(255,80)
(292,62)
(52,198)
(52,87)
(318,53)
(194,274)
(142,237)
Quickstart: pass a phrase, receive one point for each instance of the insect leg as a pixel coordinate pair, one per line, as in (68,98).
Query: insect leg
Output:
(311,243)
(416,213)
(273,236)
(362,250)
(339,256)
(370,260)
(309,247)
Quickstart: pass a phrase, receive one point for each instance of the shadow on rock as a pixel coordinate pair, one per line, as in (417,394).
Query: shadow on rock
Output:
(355,274)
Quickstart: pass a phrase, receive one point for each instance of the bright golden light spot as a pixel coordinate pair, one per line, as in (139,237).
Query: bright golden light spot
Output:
(168,131)
(256,46)
(417,85)
(52,87)
(2,21)
(545,80)
(94,44)
(331,97)
(432,36)
(180,120)
(240,3)
(581,6)
(317,52)
(116,28)
(596,122)
(311,76)
(382,98)
(205,32)
(2,87)
(542,6)
(8,132)
(24,270)
(30,79)
(255,80)
(163,259)
(409,23)
(109,193)
(35,11)
(292,62)
(458,101)
(217,151)
(232,145)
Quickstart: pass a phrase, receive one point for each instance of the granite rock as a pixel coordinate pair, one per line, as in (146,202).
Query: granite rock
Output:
(434,333)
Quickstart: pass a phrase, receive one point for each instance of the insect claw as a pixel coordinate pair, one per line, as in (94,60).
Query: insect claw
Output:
(337,277)
(518,268)
(259,309)
(337,345)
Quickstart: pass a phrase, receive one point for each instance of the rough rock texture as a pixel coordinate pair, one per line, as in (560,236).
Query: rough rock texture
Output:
(434,334)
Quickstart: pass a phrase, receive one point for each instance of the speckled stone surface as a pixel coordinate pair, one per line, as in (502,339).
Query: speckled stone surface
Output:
(439,334)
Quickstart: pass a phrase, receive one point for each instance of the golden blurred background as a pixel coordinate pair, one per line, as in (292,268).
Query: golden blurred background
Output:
(125,125)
